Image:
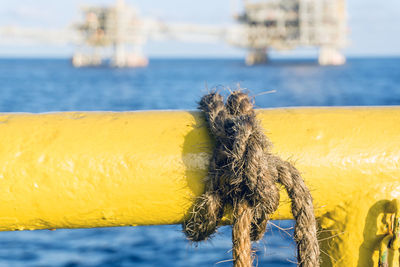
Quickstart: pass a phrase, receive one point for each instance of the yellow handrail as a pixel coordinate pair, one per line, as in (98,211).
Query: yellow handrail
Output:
(85,169)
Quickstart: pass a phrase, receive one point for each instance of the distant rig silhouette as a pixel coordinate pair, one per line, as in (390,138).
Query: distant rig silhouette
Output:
(117,34)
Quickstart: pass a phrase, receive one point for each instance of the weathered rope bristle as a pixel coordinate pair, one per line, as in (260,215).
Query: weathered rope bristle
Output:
(243,175)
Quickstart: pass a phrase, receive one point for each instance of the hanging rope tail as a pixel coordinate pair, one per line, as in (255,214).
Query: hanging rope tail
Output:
(243,175)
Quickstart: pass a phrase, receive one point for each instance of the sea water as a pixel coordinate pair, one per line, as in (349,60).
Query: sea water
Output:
(46,85)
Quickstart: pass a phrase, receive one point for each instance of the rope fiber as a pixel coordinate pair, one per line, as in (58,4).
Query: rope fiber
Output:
(243,175)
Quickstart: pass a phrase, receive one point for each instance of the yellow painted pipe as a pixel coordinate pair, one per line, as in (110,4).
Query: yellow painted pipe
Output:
(80,169)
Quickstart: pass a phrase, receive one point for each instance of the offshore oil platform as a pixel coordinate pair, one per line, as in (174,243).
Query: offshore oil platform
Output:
(117,34)
(118,28)
(287,24)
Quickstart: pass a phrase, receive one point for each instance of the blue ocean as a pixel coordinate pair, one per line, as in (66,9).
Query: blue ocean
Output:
(48,85)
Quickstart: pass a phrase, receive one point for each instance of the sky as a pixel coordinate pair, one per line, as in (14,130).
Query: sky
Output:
(374,26)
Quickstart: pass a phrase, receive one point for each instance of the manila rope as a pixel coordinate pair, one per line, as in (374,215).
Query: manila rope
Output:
(243,175)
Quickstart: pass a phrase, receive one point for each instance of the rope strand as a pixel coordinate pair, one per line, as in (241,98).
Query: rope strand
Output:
(241,251)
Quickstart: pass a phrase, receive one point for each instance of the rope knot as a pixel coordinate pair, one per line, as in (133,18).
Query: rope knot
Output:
(243,175)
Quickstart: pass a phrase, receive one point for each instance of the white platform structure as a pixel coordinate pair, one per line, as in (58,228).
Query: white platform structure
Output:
(287,24)
(117,34)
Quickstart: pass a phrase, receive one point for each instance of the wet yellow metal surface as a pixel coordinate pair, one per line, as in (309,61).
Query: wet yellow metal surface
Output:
(81,169)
